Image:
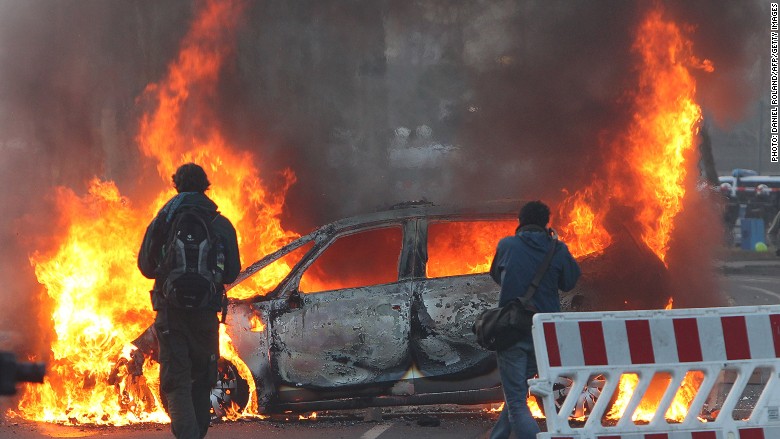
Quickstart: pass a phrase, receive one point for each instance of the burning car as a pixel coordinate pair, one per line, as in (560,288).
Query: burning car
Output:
(376,310)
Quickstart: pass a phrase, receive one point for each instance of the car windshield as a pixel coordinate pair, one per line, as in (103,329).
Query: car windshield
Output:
(265,279)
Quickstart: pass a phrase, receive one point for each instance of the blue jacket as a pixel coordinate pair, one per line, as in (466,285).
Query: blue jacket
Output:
(517,259)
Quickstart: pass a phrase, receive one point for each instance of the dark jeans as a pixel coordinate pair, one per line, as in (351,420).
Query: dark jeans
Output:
(516,365)
(189,349)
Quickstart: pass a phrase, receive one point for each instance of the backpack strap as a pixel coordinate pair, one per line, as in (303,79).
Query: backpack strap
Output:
(173,204)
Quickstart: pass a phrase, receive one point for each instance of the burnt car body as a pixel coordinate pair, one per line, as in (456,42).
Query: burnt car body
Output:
(398,333)
(376,310)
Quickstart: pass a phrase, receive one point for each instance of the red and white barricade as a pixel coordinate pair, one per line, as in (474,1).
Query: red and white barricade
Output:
(721,365)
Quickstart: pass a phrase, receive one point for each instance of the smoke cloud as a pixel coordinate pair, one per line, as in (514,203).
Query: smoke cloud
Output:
(370,103)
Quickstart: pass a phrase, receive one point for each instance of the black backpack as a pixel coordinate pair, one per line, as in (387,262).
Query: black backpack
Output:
(193,260)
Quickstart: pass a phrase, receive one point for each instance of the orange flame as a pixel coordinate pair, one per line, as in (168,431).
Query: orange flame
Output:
(99,299)
(649,403)
(533,406)
(497,409)
(100,303)
(464,247)
(311,416)
(584,233)
(256,325)
(652,181)
(182,129)
(228,351)
(655,155)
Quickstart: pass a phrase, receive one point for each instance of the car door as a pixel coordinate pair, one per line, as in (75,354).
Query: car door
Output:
(344,330)
(455,289)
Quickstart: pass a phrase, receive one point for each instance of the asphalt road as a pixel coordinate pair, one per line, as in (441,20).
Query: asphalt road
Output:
(462,424)
(754,282)
(750,282)
(754,290)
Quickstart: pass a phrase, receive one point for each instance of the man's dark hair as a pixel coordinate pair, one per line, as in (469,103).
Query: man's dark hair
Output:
(190,178)
(534,212)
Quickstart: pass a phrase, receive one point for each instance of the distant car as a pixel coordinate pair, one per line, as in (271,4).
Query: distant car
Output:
(374,310)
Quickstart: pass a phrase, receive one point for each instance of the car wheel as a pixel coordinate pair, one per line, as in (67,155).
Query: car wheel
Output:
(230,394)
(586,399)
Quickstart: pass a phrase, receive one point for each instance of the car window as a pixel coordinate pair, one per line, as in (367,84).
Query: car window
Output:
(357,260)
(267,278)
(464,247)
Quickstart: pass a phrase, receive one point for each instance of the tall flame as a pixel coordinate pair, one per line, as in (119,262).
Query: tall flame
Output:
(651,160)
(100,303)
(184,128)
(99,299)
(648,175)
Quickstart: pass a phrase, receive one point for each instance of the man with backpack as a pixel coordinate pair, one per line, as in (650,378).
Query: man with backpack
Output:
(515,267)
(191,252)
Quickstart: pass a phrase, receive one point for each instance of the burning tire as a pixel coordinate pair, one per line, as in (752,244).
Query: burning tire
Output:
(230,394)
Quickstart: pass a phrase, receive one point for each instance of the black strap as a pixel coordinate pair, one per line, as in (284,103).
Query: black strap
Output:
(529,293)
(224,306)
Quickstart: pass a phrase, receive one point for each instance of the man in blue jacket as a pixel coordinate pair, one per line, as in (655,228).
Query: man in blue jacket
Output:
(514,266)
(188,337)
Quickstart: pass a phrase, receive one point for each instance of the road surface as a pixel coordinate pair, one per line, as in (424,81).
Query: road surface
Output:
(471,424)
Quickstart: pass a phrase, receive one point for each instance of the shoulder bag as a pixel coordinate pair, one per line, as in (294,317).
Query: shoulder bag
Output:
(498,328)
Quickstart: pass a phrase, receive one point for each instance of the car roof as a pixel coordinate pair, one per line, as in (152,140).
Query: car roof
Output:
(422,209)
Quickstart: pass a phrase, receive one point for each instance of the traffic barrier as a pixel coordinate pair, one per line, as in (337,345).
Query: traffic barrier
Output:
(722,359)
